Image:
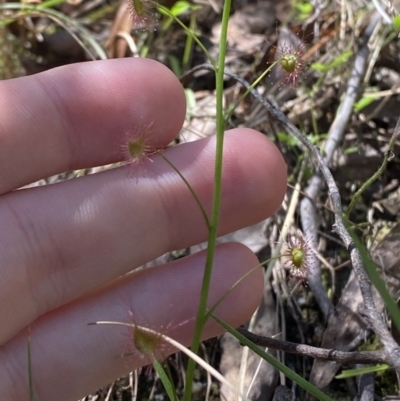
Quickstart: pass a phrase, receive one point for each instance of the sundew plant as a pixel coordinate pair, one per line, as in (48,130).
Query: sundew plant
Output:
(145,15)
(341,103)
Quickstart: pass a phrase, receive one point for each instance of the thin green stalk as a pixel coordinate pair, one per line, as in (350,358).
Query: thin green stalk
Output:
(212,234)
(50,3)
(195,196)
(189,40)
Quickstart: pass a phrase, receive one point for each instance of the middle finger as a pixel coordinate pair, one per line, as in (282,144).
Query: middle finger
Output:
(61,241)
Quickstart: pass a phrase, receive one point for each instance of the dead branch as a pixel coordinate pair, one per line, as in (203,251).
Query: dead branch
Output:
(335,135)
(362,357)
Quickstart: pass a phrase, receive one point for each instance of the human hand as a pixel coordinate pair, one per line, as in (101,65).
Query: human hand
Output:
(64,247)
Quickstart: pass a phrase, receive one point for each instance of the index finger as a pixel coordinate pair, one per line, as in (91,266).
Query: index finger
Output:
(78,116)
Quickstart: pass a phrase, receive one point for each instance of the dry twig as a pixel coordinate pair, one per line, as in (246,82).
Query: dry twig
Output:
(342,357)
(335,135)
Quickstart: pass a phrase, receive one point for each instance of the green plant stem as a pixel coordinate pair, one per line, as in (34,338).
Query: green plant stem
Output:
(375,176)
(166,380)
(192,191)
(274,362)
(189,41)
(50,3)
(212,234)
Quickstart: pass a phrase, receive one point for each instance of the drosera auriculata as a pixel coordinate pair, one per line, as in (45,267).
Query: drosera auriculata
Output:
(147,344)
(143,14)
(136,147)
(289,54)
(297,257)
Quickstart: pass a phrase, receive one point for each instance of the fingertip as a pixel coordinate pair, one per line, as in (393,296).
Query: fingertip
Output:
(253,160)
(163,298)
(104,99)
(77,114)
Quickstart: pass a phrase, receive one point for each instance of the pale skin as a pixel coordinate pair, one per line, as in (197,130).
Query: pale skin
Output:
(64,247)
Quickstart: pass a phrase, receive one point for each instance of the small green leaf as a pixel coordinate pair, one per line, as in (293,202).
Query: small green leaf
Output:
(175,65)
(169,387)
(341,59)
(304,9)
(350,150)
(315,139)
(396,23)
(319,67)
(363,102)
(138,6)
(361,371)
(190,99)
(287,139)
(180,7)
